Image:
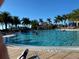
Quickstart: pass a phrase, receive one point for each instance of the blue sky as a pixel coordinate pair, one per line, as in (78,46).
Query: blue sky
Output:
(36,9)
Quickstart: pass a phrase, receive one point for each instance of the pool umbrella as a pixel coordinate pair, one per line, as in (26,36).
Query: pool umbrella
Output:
(1,2)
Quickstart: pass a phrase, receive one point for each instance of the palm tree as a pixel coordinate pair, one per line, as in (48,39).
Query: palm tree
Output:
(65,18)
(34,24)
(55,21)
(25,21)
(74,16)
(58,18)
(1,21)
(5,18)
(41,20)
(10,21)
(16,20)
(49,20)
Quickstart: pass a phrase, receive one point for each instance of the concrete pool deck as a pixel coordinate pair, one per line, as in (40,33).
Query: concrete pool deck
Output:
(69,29)
(45,52)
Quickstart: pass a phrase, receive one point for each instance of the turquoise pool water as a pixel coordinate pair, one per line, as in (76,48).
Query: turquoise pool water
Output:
(45,38)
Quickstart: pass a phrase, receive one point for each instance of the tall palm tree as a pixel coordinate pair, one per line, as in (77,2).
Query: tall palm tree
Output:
(5,17)
(74,16)
(16,20)
(1,21)
(58,18)
(49,20)
(41,20)
(34,24)
(25,21)
(10,21)
(64,18)
(55,21)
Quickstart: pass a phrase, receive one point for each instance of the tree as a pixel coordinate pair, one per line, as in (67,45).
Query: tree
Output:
(49,20)
(41,20)
(16,20)
(34,24)
(10,21)
(25,21)
(5,18)
(64,17)
(58,18)
(74,16)
(55,21)
(1,21)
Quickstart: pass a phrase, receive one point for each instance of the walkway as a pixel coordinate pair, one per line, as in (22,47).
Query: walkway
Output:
(14,52)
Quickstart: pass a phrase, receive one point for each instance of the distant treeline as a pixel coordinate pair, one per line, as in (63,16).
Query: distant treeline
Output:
(13,21)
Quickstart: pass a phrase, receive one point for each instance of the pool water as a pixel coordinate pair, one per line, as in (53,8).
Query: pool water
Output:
(45,38)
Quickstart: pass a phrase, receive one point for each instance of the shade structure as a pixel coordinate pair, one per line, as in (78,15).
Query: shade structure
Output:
(1,2)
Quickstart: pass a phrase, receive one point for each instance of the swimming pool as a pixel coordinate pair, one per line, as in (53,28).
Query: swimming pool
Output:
(45,38)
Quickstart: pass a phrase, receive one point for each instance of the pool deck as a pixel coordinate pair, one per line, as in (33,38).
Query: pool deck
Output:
(69,29)
(45,52)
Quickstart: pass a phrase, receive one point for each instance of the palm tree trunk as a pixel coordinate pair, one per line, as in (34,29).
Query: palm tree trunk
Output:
(76,23)
(65,22)
(2,25)
(6,26)
(16,25)
(11,26)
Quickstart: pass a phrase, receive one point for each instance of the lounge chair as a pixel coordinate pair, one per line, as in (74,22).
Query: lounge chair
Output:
(23,56)
(34,57)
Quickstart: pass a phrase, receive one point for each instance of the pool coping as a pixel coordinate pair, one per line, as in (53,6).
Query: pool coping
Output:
(49,48)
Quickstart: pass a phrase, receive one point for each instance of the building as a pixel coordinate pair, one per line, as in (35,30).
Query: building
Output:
(76,23)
